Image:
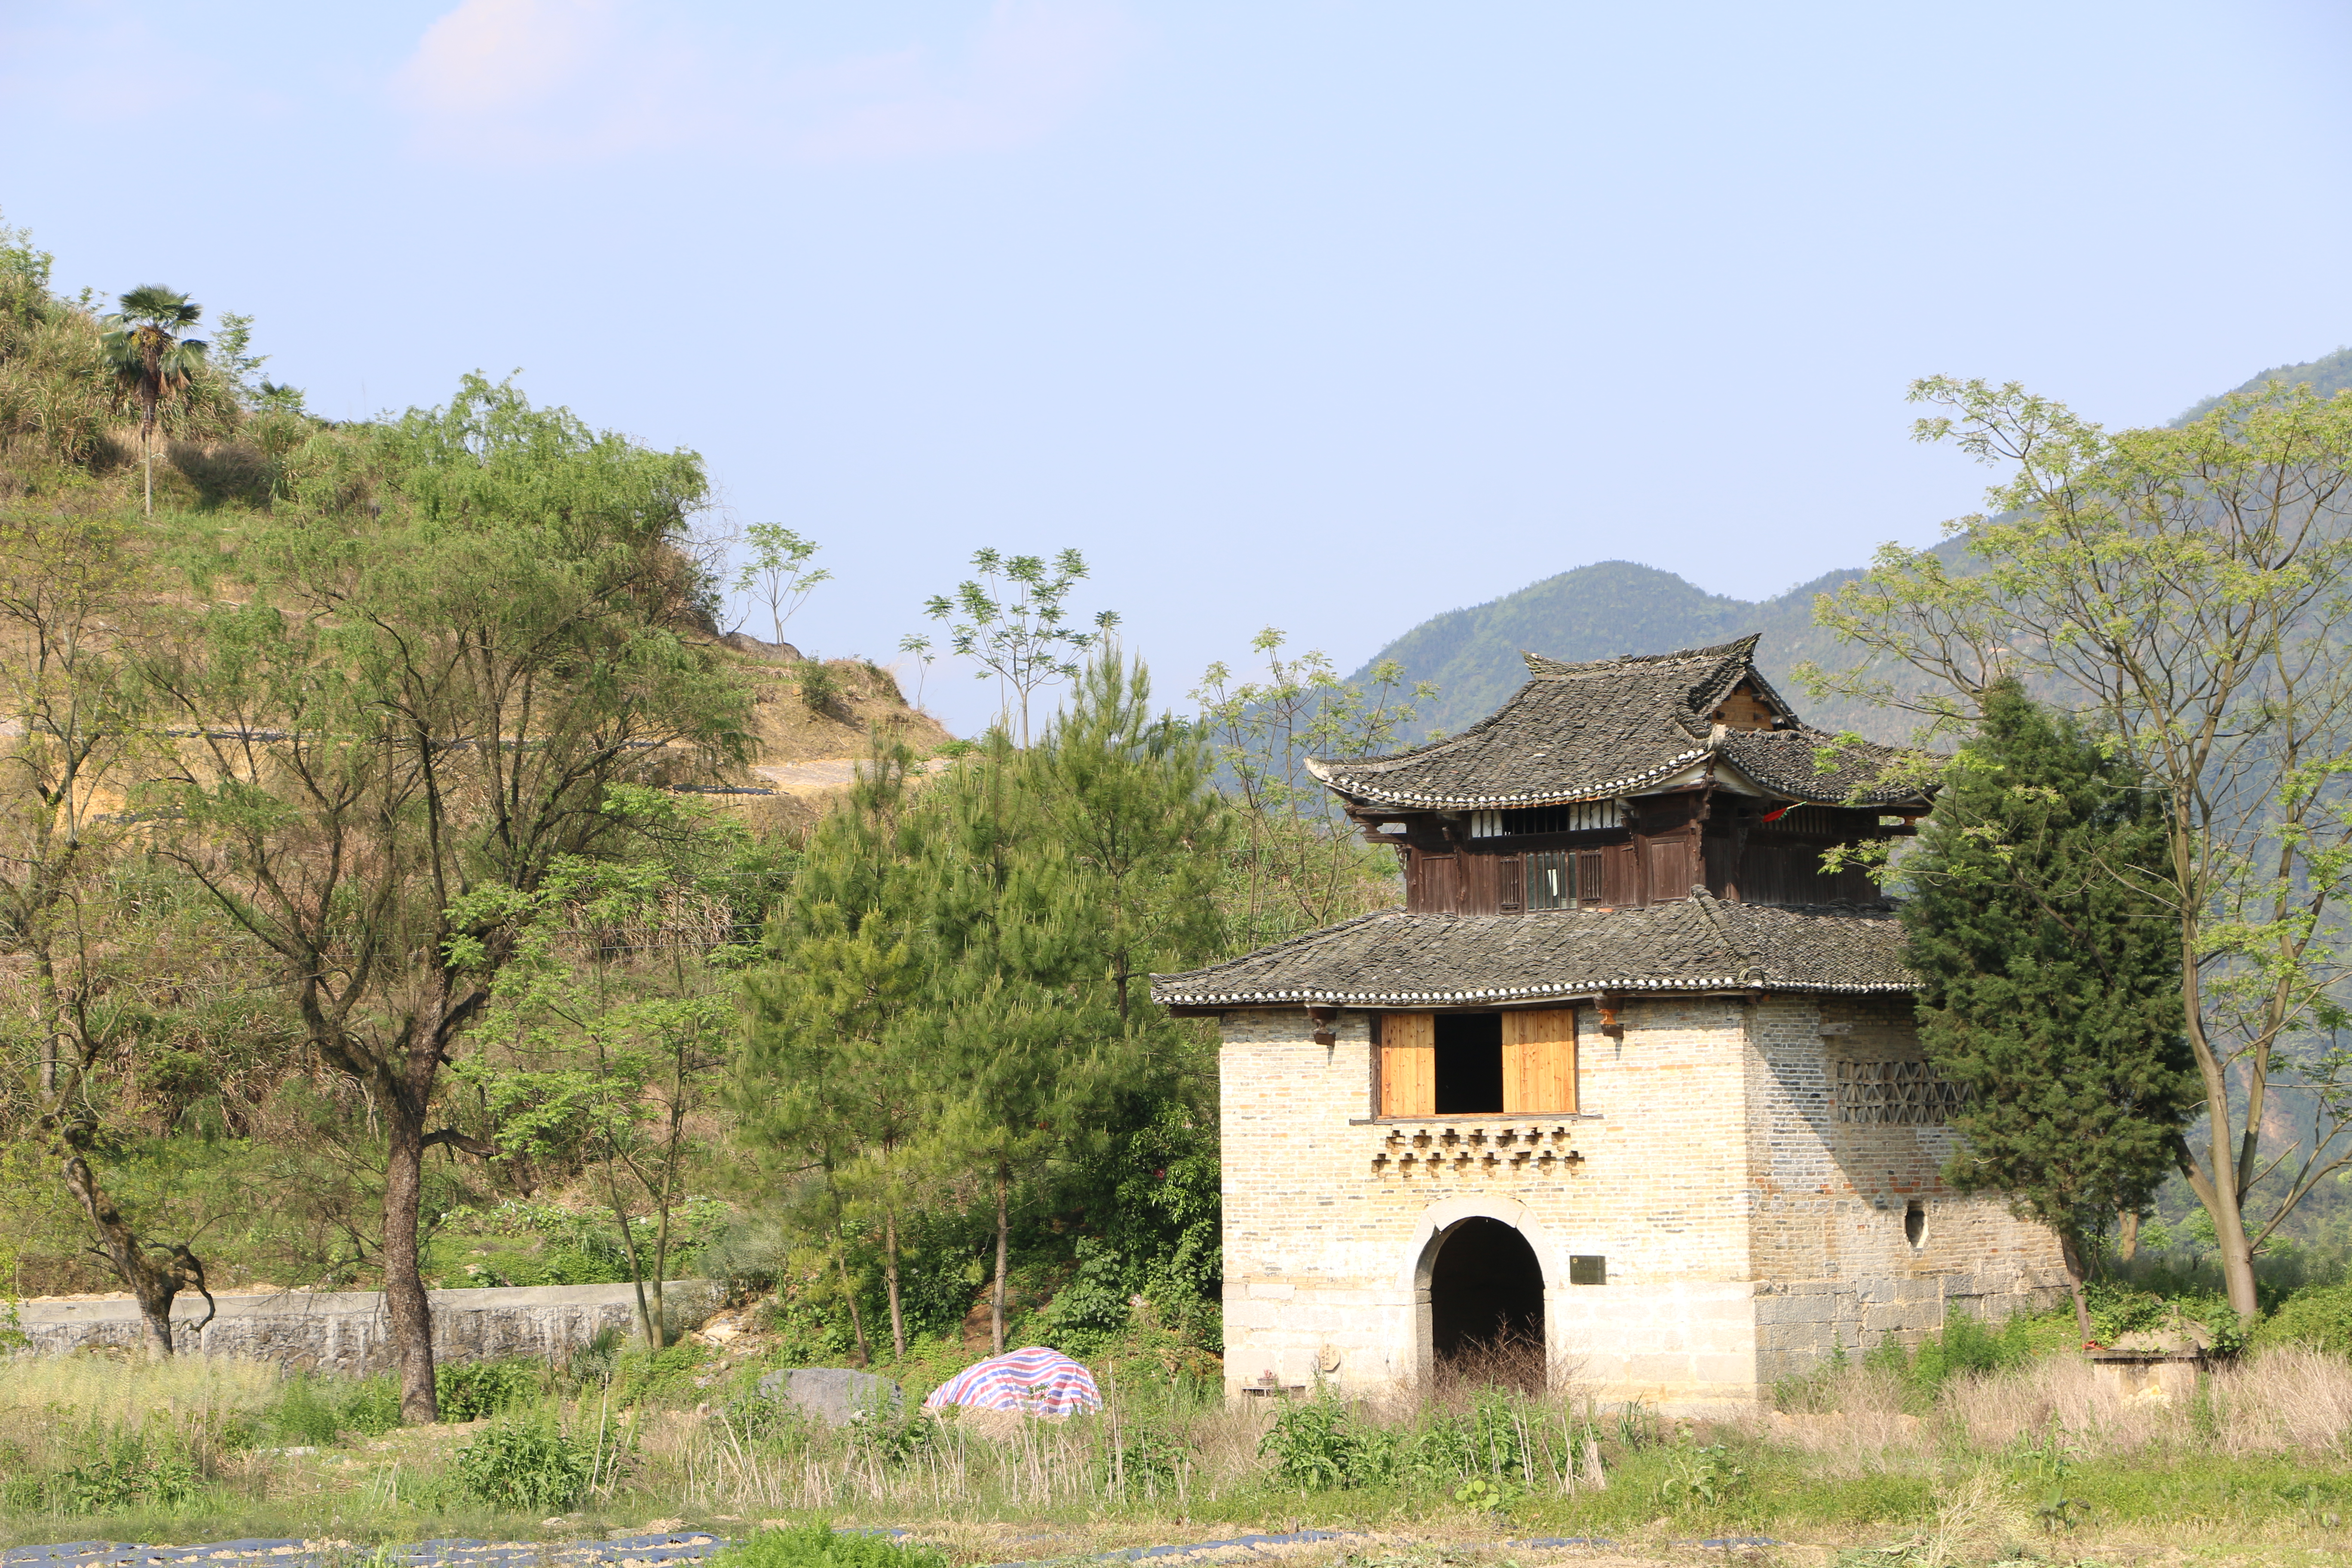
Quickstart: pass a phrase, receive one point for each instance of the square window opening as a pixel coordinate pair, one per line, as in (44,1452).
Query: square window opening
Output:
(1469,1064)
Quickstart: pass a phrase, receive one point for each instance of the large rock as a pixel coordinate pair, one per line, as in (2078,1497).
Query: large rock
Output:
(834,1394)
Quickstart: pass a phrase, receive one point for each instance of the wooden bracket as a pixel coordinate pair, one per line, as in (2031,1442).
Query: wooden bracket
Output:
(1610,1026)
(1323,1018)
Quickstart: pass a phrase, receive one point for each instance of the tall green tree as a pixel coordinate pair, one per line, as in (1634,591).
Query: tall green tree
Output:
(2188,590)
(459,636)
(2050,975)
(839,1080)
(151,360)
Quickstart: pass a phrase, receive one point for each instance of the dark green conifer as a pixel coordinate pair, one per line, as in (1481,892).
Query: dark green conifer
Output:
(2050,978)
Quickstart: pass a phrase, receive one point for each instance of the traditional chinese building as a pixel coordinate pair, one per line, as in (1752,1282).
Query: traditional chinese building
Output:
(1632,1075)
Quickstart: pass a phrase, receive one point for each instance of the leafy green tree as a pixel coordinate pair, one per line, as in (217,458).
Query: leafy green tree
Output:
(2186,589)
(619,1033)
(72,591)
(423,696)
(1022,639)
(1297,861)
(150,361)
(776,571)
(837,1080)
(2050,976)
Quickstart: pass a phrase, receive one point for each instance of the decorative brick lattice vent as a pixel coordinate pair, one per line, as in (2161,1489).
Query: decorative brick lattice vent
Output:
(1908,1094)
(1475,1150)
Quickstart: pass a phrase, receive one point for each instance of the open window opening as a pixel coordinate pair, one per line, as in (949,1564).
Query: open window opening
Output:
(1469,1064)
(1477,1064)
(1914,1222)
(1487,1307)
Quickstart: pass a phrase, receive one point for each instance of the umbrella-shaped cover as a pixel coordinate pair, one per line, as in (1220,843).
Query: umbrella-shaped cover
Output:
(1033,1380)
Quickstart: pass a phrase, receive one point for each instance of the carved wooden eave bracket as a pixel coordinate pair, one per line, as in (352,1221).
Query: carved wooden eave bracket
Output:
(1607,1005)
(1323,1018)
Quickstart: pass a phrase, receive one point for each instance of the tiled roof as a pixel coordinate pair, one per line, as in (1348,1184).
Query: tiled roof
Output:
(1613,727)
(1397,959)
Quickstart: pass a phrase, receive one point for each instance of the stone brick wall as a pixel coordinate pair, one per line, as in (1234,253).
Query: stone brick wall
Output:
(1835,1263)
(1740,1223)
(346,1332)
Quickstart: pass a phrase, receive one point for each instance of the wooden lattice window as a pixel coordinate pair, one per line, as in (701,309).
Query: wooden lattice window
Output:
(1906,1094)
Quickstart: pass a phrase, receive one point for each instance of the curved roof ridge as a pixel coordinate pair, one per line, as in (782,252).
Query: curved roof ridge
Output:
(1548,668)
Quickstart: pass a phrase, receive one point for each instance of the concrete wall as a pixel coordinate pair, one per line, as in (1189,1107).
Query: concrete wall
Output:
(346,1331)
(1746,1230)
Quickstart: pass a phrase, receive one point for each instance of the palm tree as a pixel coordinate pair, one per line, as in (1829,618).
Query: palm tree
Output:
(144,347)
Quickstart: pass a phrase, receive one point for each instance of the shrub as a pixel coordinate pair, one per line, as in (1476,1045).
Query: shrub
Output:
(2317,1315)
(821,1546)
(821,688)
(476,1389)
(523,1465)
(1318,1444)
(125,1469)
(643,1376)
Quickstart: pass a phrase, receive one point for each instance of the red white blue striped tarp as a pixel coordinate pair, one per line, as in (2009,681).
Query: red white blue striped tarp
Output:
(1033,1380)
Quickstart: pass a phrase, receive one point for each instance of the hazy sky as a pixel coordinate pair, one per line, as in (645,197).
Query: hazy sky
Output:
(1323,315)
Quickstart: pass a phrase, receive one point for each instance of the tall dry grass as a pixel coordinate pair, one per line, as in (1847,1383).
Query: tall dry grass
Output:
(2285,1401)
(53,1407)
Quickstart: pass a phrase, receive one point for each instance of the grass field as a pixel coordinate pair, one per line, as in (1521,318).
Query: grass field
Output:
(1988,1465)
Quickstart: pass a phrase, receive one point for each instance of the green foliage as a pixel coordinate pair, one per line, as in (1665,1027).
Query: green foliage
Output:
(527,1464)
(121,1469)
(1011,619)
(469,1390)
(1297,861)
(2050,972)
(320,1410)
(2185,588)
(1702,1474)
(820,688)
(776,571)
(1318,1444)
(641,1375)
(821,1546)
(2319,1315)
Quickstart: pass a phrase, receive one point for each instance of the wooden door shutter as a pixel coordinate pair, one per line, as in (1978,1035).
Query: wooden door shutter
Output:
(1539,1061)
(1408,1064)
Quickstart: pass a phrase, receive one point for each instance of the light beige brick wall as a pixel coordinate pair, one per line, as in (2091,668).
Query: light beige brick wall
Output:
(1739,1224)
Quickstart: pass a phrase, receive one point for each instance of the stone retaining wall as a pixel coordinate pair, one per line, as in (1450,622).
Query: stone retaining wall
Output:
(346,1331)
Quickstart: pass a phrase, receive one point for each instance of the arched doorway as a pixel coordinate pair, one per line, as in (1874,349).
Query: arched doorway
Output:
(1486,1305)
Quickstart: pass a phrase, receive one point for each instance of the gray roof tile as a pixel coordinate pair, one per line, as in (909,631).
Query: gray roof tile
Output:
(1397,959)
(1613,727)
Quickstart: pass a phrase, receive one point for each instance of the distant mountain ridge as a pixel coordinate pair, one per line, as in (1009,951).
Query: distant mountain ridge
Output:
(1614,607)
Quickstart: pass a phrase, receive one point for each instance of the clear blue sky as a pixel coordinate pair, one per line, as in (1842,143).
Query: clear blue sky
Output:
(1323,315)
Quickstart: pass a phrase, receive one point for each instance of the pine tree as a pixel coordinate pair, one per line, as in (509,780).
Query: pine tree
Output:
(2050,979)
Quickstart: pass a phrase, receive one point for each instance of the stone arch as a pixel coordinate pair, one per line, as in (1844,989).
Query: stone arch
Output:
(1444,1219)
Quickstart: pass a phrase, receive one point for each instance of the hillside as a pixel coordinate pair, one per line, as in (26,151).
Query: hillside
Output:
(1621,607)
(1607,608)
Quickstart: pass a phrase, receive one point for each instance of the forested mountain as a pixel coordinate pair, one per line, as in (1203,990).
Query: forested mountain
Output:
(1607,608)
(1621,607)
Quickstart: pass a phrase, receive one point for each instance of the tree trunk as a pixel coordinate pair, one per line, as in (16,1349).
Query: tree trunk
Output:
(849,1294)
(890,1279)
(150,1285)
(406,1311)
(2070,1252)
(996,1299)
(2127,1236)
